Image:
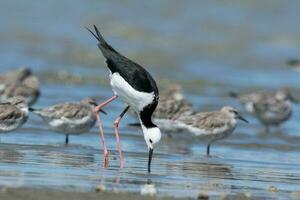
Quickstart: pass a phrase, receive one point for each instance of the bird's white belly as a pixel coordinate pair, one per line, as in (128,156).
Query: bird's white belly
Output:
(74,126)
(210,135)
(136,99)
(7,127)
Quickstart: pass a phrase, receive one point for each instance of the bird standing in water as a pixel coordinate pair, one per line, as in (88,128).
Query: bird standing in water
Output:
(270,108)
(211,126)
(69,118)
(136,87)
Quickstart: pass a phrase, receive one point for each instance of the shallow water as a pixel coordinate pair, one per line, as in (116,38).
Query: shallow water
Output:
(209,48)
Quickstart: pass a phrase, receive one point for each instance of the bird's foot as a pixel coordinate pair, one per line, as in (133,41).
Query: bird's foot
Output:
(105,158)
(121,163)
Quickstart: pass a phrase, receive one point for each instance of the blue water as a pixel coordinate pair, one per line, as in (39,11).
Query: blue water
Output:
(209,47)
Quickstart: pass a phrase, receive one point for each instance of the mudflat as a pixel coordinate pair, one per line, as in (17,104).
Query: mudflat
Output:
(50,194)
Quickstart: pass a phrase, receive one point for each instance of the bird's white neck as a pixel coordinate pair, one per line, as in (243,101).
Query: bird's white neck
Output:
(152,136)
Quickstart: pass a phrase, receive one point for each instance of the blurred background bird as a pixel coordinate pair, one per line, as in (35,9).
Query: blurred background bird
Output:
(20,83)
(270,108)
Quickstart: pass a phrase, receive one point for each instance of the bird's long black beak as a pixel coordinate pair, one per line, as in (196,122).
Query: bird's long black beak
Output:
(242,118)
(149,160)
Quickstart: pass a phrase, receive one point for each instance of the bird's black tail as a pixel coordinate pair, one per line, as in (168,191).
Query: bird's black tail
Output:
(233,94)
(97,35)
(107,50)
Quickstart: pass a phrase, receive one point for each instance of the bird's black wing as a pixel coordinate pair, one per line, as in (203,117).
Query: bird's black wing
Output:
(132,72)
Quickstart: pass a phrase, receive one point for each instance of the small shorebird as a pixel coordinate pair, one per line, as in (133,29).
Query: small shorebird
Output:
(14,76)
(13,114)
(136,87)
(172,104)
(69,118)
(248,100)
(211,126)
(20,82)
(271,109)
(294,63)
(274,111)
(27,88)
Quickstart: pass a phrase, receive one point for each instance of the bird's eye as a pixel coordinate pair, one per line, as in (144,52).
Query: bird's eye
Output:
(150,141)
(93,103)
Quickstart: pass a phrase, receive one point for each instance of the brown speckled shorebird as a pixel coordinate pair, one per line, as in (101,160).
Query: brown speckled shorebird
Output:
(270,108)
(14,76)
(27,88)
(13,114)
(69,118)
(211,126)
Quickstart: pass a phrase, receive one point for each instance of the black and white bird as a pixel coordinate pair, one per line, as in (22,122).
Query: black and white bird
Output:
(172,104)
(136,87)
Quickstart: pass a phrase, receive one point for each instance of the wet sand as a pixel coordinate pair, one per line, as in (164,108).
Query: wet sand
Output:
(49,194)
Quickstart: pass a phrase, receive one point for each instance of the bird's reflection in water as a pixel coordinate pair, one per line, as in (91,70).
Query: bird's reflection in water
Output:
(68,159)
(116,183)
(207,176)
(177,144)
(9,155)
(148,189)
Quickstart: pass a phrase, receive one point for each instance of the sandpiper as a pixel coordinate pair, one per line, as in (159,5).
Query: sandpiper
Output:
(13,114)
(14,76)
(28,88)
(274,111)
(248,100)
(69,118)
(136,87)
(271,108)
(171,105)
(294,63)
(211,126)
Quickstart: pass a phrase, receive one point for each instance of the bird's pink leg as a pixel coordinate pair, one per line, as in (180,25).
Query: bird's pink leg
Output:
(96,110)
(105,152)
(101,105)
(116,125)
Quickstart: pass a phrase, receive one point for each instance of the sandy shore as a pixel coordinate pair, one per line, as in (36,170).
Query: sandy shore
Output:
(49,194)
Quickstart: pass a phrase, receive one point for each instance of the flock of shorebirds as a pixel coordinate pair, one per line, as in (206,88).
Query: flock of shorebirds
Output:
(169,110)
